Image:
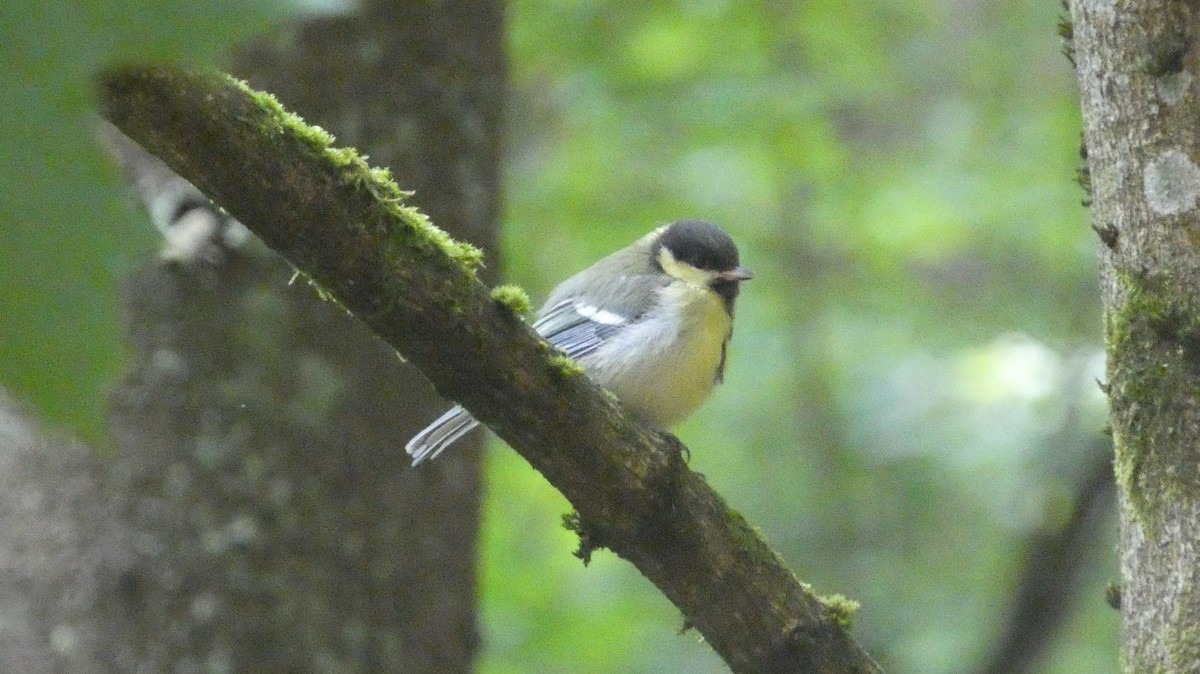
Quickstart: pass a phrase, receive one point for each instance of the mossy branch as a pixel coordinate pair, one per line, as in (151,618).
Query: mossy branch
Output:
(346,226)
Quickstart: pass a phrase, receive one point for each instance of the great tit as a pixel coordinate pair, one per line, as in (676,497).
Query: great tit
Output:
(651,323)
(194,229)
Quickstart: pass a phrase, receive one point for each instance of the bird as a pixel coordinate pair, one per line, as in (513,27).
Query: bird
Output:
(651,323)
(195,230)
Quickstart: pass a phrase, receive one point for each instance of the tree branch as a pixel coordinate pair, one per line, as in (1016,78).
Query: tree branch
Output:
(1051,567)
(346,227)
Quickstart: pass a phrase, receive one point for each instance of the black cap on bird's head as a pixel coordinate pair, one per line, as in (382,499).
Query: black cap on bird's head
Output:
(701,253)
(702,245)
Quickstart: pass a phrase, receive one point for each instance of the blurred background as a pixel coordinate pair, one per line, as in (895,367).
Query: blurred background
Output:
(910,413)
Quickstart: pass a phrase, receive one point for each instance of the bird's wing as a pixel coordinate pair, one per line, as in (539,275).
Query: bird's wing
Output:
(582,314)
(577,328)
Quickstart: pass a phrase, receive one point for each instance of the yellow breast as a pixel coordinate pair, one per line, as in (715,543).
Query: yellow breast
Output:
(677,359)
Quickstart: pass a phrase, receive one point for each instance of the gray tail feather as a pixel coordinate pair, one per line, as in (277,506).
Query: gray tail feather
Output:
(439,435)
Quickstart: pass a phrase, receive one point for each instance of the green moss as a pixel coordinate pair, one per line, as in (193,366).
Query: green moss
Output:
(347,157)
(512,297)
(1154,373)
(839,609)
(470,256)
(312,134)
(1182,638)
(357,172)
(382,175)
(565,365)
(417,228)
(422,233)
(278,119)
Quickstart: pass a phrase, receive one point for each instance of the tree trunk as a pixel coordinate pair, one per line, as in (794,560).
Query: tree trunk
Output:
(260,513)
(1138,71)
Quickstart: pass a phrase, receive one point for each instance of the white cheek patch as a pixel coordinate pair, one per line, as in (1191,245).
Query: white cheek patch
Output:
(682,270)
(598,315)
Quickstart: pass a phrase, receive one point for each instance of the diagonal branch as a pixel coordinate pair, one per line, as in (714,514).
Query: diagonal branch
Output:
(345,226)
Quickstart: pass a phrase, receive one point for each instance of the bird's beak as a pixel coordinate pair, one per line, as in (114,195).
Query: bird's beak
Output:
(736,274)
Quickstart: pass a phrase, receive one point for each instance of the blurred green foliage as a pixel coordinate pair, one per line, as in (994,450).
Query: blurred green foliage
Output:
(910,392)
(910,395)
(67,229)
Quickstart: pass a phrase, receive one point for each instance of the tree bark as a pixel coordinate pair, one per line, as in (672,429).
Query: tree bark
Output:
(259,470)
(347,228)
(1138,69)
(62,551)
